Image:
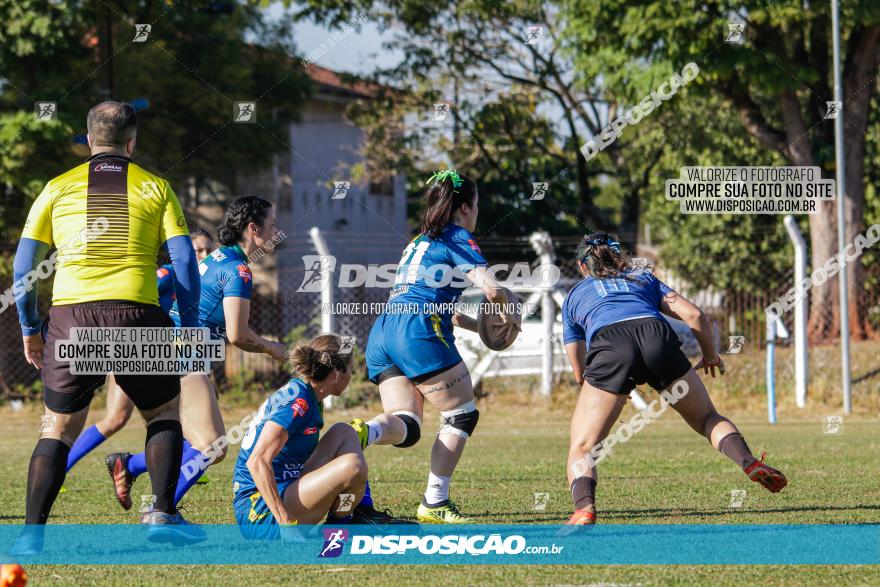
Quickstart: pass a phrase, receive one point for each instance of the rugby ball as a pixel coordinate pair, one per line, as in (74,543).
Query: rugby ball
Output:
(495,333)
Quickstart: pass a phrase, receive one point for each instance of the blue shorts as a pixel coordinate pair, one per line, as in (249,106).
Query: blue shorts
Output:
(415,345)
(254,518)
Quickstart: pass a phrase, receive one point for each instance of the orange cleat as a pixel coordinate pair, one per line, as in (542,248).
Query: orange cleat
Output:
(772,479)
(12,576)
(582,518)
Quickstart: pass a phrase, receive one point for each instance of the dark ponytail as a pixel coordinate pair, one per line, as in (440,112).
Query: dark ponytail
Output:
(240,213)
(602,255)
(442,200)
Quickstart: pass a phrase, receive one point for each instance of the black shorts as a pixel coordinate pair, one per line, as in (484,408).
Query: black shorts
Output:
(393,371)
(67,393)
(626,354)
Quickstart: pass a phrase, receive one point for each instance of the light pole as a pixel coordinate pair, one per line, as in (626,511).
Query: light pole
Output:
(841,194)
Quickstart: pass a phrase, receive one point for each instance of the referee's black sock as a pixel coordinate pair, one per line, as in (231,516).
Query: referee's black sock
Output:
(734,447)
(164,450)
(46,474)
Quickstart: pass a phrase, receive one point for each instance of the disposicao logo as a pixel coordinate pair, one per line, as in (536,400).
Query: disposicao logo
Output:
(334,539)
(432,544)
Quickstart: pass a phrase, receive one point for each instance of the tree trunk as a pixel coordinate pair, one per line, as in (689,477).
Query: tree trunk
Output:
(824,320)
(854,142)
(824,317)
(858,87)
(629,219)
(105,48)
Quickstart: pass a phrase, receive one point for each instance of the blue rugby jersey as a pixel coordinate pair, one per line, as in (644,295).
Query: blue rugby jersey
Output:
(224,273)
(165,277)
(295,408)
(428,263)
(595,303)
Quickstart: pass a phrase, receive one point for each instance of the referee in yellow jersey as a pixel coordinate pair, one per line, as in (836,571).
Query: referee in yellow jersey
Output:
(107,218)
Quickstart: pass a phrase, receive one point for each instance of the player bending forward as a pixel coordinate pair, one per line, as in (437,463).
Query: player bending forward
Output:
(225,285)
(616,338)
(286,473)
(411,350)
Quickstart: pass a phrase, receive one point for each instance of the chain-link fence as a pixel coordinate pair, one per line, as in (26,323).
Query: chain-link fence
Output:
(736,312)
(17,377)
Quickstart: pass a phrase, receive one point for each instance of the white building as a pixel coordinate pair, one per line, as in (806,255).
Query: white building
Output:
(367,226)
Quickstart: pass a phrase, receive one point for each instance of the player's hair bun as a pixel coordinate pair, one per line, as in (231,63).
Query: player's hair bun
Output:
(240,213)
(316,359)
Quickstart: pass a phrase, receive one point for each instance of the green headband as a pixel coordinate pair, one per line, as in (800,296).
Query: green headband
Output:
(445,174)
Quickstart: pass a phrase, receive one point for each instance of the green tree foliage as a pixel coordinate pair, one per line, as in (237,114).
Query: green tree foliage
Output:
(516,116)
(199,58)
(726,252)
(777,83)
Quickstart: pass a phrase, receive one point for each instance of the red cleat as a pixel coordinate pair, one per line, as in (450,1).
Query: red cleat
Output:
(772,479)
(12,575)
(117,465)
(582,518)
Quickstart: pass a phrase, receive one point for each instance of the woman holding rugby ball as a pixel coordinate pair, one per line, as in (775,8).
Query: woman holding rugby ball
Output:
(616,338)
(411,350)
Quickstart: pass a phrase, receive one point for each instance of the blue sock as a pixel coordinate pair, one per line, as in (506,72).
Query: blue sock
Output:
(86,443)
(192,456)
(368,499)
(137,464)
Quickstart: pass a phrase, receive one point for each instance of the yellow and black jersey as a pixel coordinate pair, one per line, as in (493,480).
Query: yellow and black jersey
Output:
(107,218)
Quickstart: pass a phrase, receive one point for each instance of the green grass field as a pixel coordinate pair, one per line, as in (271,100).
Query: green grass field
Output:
(665,474)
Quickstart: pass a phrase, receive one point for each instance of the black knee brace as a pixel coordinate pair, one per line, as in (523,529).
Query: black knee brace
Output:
(413,429)
(462,422)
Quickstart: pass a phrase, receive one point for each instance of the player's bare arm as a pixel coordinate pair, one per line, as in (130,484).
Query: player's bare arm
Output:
(464,321)
(493,291)
(259,464)
(484,280)
(576,352)
(677,306)
(240,334)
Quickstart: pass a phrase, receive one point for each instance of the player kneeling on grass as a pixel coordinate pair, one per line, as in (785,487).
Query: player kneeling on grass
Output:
(285,474)
(616,338)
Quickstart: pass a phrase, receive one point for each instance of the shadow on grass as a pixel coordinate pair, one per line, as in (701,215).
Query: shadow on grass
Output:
(866,376)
